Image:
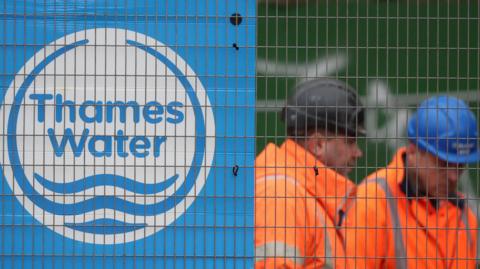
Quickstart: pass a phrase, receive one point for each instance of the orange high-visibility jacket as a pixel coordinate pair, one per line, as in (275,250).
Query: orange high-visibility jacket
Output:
(385,229)
(296,200)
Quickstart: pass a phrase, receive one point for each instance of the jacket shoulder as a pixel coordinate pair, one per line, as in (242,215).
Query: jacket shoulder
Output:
(372,187)
(279,186)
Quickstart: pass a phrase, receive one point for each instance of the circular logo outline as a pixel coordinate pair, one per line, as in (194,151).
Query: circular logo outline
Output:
(18,180)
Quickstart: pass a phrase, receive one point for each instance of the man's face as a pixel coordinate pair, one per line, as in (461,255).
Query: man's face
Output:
(339,153)
(432,176)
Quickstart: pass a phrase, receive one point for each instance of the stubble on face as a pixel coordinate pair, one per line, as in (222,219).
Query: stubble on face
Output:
(336,152)
(431,176)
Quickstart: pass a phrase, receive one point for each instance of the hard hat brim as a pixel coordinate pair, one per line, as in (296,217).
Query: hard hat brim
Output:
(460,159)
(473,157)
(293,115)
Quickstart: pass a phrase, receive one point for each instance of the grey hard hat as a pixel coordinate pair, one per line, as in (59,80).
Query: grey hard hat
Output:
(325,104)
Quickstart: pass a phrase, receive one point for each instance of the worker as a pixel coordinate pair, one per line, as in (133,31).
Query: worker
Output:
(410,214)
(300,185)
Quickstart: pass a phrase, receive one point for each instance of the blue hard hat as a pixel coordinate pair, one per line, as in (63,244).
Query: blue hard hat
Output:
(447,128)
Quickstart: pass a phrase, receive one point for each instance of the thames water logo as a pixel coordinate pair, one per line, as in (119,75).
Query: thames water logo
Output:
(109,136)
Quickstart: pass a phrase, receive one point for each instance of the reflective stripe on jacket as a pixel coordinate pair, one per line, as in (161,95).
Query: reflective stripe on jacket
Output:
(296,200)
(385,229)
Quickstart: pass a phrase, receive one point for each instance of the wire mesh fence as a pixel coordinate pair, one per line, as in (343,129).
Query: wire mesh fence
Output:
(121,124)
(395,55)
(239,134)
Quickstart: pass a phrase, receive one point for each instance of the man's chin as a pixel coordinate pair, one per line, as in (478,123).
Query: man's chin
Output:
(344,171)
(445,195)
(453,194)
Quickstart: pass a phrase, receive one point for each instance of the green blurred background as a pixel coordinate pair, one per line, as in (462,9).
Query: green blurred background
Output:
(395,53)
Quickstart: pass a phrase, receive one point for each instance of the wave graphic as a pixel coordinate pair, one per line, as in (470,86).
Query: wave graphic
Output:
(105,180)
(106,226)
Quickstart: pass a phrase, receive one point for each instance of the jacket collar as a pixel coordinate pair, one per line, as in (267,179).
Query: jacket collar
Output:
(320,181)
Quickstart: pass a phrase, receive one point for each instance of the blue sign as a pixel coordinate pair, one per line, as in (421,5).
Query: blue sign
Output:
(121,124)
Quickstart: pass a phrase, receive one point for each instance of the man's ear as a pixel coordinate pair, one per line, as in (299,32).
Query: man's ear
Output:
(315,144)
(411,148)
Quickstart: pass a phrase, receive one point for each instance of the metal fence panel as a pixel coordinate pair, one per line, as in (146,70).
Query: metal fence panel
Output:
(127,134)
(394,53)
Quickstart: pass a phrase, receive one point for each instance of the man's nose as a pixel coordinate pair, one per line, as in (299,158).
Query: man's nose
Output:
(357,152)
(453,174)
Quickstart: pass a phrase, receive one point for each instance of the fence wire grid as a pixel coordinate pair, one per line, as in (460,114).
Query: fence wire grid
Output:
(166,134)
(395,55)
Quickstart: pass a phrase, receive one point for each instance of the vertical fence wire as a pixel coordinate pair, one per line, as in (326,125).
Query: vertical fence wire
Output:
(395,54)
(135,139)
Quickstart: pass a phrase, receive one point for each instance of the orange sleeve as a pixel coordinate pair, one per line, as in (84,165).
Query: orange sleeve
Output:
(364,230)
(282,236)
(472,248)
